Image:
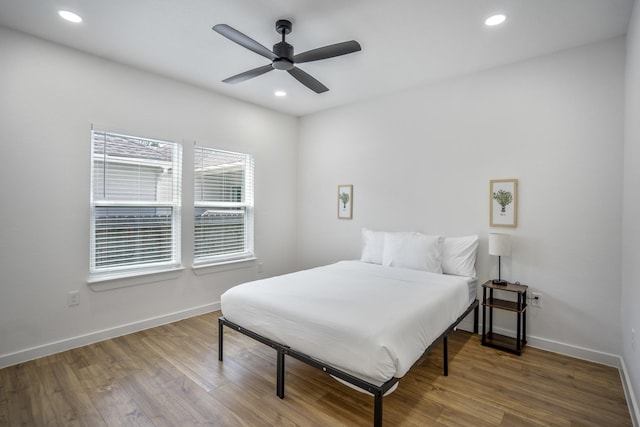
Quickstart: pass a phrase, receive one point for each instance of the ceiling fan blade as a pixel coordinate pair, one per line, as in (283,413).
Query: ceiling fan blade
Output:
(243,40)
(307,80)
(248,74)
(327,52)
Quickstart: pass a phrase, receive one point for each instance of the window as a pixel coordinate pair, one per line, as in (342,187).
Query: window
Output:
(135,203)
(223,211)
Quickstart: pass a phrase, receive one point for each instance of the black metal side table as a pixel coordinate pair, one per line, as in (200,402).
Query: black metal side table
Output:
(502,342)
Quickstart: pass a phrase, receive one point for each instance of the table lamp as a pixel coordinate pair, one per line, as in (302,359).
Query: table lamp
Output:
(499,245)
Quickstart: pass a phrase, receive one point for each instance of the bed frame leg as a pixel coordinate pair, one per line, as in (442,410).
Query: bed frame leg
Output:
(377,409)
(220,336)
(476,311)
(280,374)
(446,356)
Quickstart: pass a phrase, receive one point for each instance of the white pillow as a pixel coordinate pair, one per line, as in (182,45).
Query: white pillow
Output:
(372,246)
(459,255)
(413,250)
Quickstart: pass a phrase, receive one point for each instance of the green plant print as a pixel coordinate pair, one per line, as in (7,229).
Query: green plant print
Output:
(504,199)
(344,198)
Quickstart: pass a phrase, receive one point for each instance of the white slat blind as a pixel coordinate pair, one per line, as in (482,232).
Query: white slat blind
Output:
(135,203)
(223,211)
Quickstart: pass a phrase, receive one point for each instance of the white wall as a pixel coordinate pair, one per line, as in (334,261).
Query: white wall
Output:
(631,211)
(422,160)
(50,96)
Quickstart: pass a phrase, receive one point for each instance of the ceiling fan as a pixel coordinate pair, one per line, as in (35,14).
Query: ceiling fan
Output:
(282,57)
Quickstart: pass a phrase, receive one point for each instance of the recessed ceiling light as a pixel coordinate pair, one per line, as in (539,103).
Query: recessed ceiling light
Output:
(280,93)
(70,16)
(495,20)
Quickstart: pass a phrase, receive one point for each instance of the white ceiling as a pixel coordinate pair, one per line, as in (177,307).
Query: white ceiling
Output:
(405,43)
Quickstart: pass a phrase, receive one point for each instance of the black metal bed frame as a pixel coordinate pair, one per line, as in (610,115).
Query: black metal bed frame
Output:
(377,391)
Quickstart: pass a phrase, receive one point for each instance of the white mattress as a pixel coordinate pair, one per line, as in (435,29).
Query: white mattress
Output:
(366,319)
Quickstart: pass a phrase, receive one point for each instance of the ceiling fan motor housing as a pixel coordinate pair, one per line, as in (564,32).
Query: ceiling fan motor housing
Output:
(284,51)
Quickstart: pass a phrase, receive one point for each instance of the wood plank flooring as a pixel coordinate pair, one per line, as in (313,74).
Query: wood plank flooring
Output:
(170,376)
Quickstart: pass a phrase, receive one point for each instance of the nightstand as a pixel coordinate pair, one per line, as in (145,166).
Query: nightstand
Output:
(519,307)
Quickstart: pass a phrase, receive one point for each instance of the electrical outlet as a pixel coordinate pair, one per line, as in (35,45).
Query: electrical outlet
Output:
(259,267)
(633,339)
(73,298)
(536,300)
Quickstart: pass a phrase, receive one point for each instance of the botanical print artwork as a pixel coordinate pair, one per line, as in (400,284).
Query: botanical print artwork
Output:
(504,202)
(345,201)
(344,198)
(503,198)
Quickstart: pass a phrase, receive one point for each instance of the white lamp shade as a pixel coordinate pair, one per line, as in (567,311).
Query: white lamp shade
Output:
(499,244)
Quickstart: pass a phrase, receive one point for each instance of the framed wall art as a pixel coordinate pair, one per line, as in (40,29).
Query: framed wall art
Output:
(345,201)
(503,199)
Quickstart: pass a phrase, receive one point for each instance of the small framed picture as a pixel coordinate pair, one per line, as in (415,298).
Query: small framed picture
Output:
(345,201)
(503,199)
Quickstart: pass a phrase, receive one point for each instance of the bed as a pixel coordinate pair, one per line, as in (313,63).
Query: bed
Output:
(364,323)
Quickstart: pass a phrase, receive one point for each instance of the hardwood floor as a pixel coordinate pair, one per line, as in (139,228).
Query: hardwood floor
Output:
(170,376)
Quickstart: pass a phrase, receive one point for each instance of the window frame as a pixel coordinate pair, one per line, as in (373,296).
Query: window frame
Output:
(246,203)
(172,200)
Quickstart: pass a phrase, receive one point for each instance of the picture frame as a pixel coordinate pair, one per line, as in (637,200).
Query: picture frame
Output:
(503,202)
(345,201)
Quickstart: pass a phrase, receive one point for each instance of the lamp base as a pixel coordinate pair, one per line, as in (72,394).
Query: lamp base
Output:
(499,282)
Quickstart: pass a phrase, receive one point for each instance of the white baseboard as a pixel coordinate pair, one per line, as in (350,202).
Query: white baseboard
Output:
(573,351)
(554,346)
(634,411)
(93,337)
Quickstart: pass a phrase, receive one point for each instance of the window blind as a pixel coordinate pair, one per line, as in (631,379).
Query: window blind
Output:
(223,211)
(135,202)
